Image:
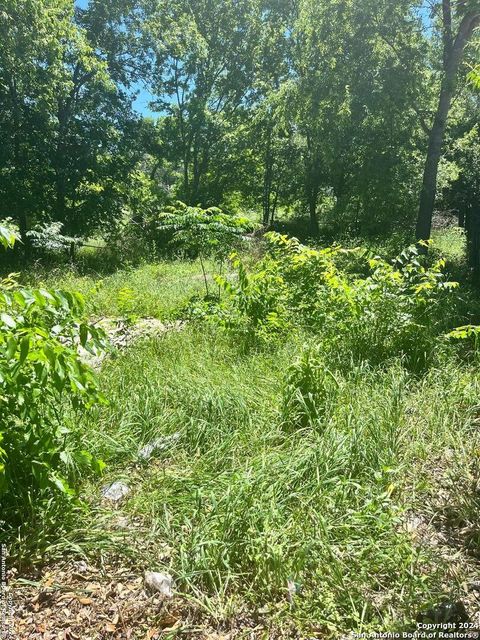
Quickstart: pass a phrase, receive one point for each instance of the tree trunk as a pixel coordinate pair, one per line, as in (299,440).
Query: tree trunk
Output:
(274,207)
(453,58)
(312,210)
(267,182)
(313,175)
(19,206)
(23,227)
(473,240)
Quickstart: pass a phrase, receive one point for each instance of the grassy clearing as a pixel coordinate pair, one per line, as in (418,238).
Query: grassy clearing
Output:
(244,507)
(450,242)
(370,510)
(150,290)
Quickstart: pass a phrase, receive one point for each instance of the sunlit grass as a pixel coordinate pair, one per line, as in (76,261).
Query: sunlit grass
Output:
(245,507)
(154,290)
(240,508)
(451,243)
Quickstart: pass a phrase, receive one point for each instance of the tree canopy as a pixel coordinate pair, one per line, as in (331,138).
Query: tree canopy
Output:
(333,111)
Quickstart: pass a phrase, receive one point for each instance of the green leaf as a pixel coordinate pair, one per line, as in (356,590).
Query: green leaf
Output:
(11,347)
(7,237)
(24,348)
(83,334)
(8,320)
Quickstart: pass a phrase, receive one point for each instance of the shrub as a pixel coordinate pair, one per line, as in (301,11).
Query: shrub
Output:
(49,237)
(392,309)
(399,309)
(203,233)
(40,375)
(256,306)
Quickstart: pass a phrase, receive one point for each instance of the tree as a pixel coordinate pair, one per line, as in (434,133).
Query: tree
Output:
(202,69)
(358,78)
(70,139)
(458,24)
(31,60)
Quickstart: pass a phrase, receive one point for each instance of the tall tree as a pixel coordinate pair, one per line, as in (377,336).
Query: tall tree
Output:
(357,76)
(458,23)
(65,113)
(31,73)
(203,65)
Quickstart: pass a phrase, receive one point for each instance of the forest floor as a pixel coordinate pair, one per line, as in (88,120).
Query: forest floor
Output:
(371,525)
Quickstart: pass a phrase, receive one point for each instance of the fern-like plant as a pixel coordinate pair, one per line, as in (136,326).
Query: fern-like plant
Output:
(204,233)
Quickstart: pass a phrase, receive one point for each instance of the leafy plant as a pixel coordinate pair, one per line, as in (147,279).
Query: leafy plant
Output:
(8,236)
(126,304)
(204,232)
(389,309)
(469,336)
(49,237)
(255,309)
(41,374)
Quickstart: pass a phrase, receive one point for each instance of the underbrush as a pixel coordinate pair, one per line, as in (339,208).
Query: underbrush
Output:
(247,506)
(311,413)
(357,307)
(42,376)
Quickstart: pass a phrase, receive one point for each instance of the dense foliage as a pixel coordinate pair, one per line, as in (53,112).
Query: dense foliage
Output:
(41,374)
(321,111)
(292,424)
(359,307)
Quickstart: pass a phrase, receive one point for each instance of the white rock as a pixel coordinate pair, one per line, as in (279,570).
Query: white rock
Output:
(115,491)
(161,582)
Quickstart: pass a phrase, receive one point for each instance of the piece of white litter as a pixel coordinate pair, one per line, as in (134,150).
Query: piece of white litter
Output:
(291,590)
(160,444)
(115,491)
(161,582)
(81,566)
(122,522)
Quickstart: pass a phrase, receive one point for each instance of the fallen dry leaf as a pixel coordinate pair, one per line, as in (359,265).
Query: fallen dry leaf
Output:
(167,620)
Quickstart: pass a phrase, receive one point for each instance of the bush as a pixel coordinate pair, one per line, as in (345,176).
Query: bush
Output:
(373,311)
(256,306)
(203,233)
(399,309)
(41,374)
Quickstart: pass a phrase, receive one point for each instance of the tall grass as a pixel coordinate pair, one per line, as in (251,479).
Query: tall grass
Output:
(246,506)
(156,290)
(287,496)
